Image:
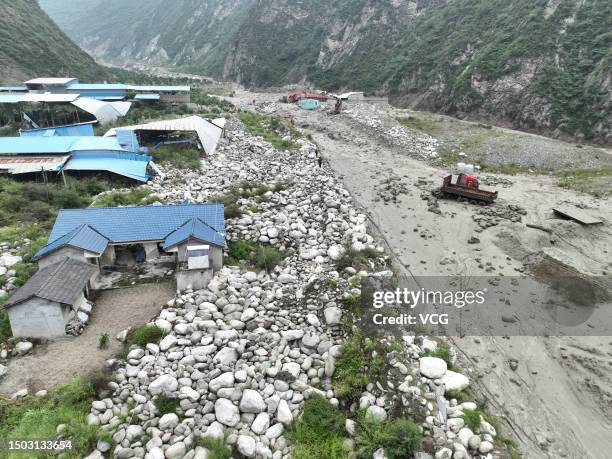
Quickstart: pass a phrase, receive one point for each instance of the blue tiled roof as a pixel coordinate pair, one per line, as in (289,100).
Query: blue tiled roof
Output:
(82,237)
(144,223)
(197,229)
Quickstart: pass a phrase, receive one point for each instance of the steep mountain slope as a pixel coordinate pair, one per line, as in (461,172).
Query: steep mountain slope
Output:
(535,64)
(32,45)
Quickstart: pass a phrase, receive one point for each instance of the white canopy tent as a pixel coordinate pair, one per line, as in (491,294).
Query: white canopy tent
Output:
(208,133)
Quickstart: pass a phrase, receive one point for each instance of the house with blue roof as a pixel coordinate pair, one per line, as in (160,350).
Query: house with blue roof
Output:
(84,241)
(105,236)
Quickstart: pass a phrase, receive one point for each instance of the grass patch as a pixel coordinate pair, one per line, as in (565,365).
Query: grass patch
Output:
(426,124)
(360,362)
(399,438)
(140,197)
(143,336)
(472,419)
(597,182)
(357,259)
(240,251)
(443,352)
(319,432)
(177,156)
(35,418)
(103,341)
(217,449)
(272,129)
(268,258)
(166,405)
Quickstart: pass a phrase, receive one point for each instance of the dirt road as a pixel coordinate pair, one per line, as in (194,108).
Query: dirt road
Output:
(61,360)
(557,400)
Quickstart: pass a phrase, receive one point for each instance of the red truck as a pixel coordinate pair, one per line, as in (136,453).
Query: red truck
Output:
(466,188)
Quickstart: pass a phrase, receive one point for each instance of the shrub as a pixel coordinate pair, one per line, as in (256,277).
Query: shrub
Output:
(240,250)
(103,341)
(143,336)
(216,447)
(319,432)
(35,418)
(166,405)
(472,419)
(399,438)
(361,361)
(268,258)
(180,157)
(357,259)
(443,352)
(140,197)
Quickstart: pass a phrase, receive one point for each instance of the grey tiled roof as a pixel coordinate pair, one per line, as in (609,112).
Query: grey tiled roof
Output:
(61,282)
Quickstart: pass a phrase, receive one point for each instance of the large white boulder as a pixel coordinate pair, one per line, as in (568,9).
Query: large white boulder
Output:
(432,367)
(252,402)
(164,384)
(226,412)
(455,381)
(246,446)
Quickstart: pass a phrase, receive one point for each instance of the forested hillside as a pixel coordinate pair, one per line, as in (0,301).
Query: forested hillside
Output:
(32,45)
(534,64)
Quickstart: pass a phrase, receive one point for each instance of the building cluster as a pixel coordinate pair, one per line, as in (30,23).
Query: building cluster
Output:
(61,138)
(85,243)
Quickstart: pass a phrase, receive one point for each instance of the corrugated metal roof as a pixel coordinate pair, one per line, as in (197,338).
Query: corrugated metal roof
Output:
(105,112)
(33,97)
(56,145)
(147,97)
(13,88)
(84,237)
(208,133)
(60,81)
(62,282)
(143,223)
(197,229)
(159,88)
(98,86)
(117,164)
(21,165)
(75,130)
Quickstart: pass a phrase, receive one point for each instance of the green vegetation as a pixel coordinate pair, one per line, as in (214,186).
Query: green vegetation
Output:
(421,122)
(268,258)
(143,336)
(166,405)
(179,157)
(249,252)
(216,447)
(358,259)
(38,418)
(319,433)
(361,360)
(138,197)
(472,419)
(399,438)
(272,129)
(443,352)
(597,182)
(30,41)
(103,341)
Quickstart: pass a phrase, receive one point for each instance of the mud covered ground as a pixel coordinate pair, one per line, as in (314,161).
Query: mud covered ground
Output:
(554,392)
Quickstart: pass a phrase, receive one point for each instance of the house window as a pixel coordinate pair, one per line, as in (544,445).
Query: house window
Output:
(198,257)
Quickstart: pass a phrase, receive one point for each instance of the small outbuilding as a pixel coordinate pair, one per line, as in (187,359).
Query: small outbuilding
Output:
(52,297)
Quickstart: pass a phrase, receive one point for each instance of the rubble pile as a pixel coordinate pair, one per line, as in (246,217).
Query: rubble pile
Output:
(493,215)
(416,144)
(8,260)
(390,189)
(240,357)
